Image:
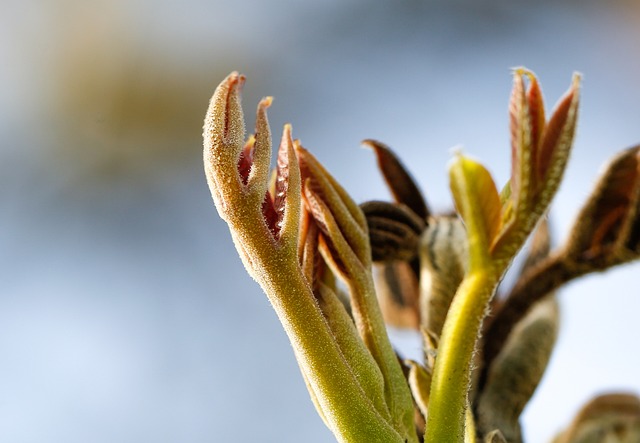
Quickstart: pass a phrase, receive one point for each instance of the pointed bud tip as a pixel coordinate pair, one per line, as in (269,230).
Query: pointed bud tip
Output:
(530,75)
(369,143)
(457,151)
(234,81)
(265,102)
(519,72)
(522,71)
(223,121)
(577,77)
(576,81)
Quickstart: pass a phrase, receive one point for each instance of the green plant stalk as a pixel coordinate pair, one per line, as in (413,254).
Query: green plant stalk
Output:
(350,243)
(354,350)
(351,415)
(475,196)
(368,319)
(397,390)
(452,372)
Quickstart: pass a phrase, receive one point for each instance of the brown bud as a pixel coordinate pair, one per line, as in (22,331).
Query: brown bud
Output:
(394,230)
(443,261)
(607,230)
(611,418)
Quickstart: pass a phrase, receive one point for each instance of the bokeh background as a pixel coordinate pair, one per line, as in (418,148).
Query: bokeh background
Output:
(125,313)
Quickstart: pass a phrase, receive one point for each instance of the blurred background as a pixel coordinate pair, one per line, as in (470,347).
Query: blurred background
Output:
(125,313)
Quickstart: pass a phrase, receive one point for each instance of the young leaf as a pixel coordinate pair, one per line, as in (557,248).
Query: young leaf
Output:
(521,143)
(420,383)
(394,230)
(443,264)
(398,179)
(478,203)
(607,229)
(611,418)
(537,120)
(344,244)
(516,372)
(556,145)
(539,156)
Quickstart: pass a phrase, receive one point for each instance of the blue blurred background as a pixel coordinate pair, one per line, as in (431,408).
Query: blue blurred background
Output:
(125,313)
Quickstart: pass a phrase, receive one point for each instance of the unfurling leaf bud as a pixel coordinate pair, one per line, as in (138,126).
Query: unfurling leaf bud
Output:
(607,229)
(394,230)
(610,418)
(398,179)
(517,370)
(443,264)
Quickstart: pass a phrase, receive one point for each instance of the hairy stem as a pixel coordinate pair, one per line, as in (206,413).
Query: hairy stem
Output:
(452,372)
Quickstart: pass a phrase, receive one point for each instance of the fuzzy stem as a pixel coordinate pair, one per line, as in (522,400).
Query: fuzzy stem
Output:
(349,412)
(452,372)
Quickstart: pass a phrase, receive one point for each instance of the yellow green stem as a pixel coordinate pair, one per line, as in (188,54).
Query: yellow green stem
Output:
(350,414)
(452,372)
(478,203)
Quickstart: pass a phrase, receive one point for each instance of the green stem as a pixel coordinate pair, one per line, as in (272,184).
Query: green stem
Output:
(345,406)
(375,336)
(452,372)
(478,203)
(351,415)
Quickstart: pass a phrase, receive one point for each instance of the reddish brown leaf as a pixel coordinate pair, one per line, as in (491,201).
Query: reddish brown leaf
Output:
(326,223)
(308,249)
(346,213)
(270,216)
(400,183)
(518,125)
(246,159)
(605,228)
(558,134)
(536,117)
(282,177)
